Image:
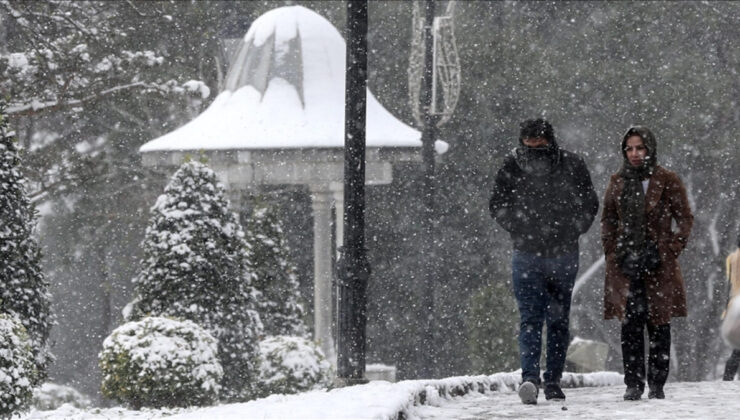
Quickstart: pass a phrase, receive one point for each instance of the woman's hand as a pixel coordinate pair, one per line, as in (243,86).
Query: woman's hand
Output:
(631,264)
(676,247)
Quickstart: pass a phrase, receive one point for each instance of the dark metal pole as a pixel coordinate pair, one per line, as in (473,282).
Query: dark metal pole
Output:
(429,257)
(353,269)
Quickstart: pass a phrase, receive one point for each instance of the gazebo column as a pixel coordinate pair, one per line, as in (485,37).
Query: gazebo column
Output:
(338,192)
(321,199)
(236,200)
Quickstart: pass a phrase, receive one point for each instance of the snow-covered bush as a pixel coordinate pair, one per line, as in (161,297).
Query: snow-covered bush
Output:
(17,368)
(274,274)
(161,362)
(292,364)
(24,290)
(51,396)
(194,267)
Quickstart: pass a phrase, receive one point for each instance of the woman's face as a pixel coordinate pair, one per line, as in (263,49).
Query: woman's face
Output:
(636,150)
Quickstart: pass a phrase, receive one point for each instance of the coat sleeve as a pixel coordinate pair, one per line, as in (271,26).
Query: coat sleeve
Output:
(728,269)
(610,220)
(501,204)
(587,202)
(729,284)
(680,209)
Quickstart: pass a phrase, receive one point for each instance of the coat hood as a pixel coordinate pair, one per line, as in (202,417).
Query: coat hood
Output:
(538,128)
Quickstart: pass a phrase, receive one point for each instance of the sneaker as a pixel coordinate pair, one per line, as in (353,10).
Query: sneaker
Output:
(528,392)
(633,393)
(553,392)
(656,393)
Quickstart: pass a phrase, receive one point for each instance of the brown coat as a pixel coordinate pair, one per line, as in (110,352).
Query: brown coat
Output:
(665,200)
(733,276)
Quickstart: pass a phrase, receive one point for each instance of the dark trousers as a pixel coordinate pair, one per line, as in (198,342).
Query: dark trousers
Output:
(543,288)
(633,342)
(731,366)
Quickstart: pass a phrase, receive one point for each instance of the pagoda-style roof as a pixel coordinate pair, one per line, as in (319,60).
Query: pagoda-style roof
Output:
(285,90)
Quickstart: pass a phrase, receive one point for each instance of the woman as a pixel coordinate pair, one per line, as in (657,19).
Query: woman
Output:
(733,277)
(643,286)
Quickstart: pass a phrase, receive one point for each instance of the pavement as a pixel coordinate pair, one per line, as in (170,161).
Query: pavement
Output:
(716,400)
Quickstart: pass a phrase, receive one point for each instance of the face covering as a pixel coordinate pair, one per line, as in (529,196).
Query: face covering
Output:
(536,161)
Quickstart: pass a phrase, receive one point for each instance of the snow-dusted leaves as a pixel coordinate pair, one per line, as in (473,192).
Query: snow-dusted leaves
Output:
(17,368)
(23,287)
(274,274)
(195,268)
(77,54)
(161,362)
(292,364)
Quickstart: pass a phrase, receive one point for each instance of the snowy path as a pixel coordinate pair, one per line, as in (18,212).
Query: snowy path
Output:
(685,400)
(487,397)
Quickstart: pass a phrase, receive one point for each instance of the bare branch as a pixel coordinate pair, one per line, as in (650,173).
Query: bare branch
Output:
(36,108)
(131,117)
(136,9)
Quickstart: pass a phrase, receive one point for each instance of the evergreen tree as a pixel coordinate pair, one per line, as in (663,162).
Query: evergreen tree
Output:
(23,287)
(492,329)
(274,274)
(194,267)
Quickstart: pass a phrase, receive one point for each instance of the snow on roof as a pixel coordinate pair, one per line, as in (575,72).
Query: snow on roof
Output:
(285,89)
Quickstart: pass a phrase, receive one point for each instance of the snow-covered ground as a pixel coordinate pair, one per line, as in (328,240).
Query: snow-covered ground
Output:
(375,400)
(684,400)
(599,395)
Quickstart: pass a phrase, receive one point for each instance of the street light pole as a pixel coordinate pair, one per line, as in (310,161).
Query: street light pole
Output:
(353,269)
(428,136)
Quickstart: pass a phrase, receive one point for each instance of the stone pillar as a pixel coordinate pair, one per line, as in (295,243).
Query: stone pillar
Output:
(321,199)
(236,198)
(338,193)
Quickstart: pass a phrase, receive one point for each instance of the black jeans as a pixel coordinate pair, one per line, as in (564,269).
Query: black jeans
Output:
(633,342)
(731,366)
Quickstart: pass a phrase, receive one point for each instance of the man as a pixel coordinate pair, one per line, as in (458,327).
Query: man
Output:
(543,196)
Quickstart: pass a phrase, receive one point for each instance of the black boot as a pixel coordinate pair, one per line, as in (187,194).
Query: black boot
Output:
(553,392)
(731,366)
(633,393)
(656,392)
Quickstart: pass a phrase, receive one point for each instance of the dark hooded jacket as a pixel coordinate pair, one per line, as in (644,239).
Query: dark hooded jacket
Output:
(545,213)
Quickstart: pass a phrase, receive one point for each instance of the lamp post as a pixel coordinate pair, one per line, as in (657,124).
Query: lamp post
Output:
(353,269)
(428,246)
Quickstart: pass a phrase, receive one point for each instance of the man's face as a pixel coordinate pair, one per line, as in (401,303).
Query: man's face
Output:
(635,150)
(535,142)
